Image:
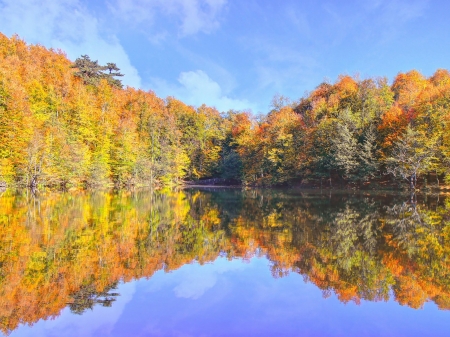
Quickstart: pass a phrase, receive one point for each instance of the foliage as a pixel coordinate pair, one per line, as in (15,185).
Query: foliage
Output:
(65,124)
(411,155)
(91,72)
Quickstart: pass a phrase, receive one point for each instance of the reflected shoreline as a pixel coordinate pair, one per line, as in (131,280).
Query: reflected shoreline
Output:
(71,249)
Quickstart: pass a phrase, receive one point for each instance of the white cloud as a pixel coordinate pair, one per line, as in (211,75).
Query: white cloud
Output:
(196,18)
(67,25)
(192,16)
(197,88)
(209,65)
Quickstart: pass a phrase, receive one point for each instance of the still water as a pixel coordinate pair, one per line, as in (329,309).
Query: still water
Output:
(224,262)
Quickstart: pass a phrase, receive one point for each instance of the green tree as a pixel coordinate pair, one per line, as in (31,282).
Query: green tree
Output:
(367,154)
(345,150)
(91,72)
(412,154)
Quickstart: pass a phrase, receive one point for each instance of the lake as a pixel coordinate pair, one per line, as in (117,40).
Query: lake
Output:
(224,262)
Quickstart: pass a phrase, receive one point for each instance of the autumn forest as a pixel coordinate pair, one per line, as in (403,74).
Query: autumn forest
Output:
(65,123)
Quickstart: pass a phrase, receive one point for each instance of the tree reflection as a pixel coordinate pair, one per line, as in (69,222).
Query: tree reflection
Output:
(87,297)
(73,249)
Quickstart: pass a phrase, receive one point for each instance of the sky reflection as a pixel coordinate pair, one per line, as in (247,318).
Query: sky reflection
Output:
(238,298)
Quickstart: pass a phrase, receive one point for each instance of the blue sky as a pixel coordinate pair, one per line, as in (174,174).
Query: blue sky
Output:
(237,54)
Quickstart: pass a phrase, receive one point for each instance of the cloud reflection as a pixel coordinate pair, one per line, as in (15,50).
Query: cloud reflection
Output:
(198,279)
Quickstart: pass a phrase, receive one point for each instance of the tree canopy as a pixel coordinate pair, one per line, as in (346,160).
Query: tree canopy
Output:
(72,123)
(91,72)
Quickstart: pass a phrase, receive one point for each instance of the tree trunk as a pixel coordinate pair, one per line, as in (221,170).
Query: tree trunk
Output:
(437,178)
(330,178)
(33,183)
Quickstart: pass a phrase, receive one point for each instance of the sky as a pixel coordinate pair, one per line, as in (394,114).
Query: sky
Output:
(239,54)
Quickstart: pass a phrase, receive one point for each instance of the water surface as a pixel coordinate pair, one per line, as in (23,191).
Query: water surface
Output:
(224,263)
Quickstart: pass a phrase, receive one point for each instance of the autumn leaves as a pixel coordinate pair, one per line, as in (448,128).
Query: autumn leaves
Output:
(71,124)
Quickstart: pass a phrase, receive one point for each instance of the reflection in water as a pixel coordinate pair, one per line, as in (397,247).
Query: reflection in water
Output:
(72,249)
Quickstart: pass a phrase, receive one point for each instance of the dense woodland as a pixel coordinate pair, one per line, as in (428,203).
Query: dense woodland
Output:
(66,123)
(71,249)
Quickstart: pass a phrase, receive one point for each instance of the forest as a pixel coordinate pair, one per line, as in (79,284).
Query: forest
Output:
(65,123)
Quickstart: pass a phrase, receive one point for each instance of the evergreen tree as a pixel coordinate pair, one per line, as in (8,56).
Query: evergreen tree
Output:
(91,72)
(369,164)
(345,150)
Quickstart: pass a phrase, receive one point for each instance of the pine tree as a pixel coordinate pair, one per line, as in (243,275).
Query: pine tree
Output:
(369,164)
(91,72)
(345,150)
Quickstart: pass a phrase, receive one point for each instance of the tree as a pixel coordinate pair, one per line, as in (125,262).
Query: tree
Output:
(369,163)
(91,72)
(279,101)
(412,154)
(345,150)
(113,72)
(407,86)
